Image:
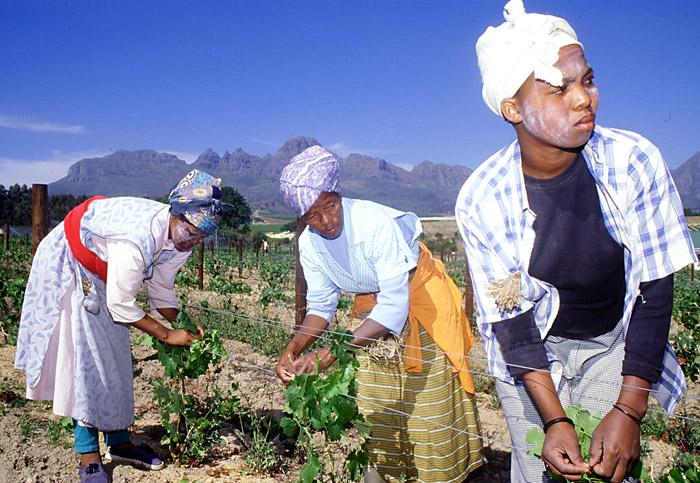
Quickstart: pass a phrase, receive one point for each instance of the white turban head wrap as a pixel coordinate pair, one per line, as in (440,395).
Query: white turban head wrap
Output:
(307,175)
(524,44)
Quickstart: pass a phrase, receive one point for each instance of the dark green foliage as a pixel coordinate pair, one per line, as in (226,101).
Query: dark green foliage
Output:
(239,214)
(16,205)
(60,205)
(291,226)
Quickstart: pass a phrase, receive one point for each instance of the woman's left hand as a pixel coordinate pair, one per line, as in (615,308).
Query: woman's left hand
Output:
(614,446)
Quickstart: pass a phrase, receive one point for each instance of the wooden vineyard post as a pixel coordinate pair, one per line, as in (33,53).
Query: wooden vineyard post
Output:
(6,236)
(201,265)
(40,214)
(468,293)
(299,281)
(240,257)
(442,254)
(229,247)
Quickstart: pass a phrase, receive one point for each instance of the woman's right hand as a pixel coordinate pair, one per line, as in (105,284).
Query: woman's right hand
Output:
(561,452)
(285,368)
(180,337)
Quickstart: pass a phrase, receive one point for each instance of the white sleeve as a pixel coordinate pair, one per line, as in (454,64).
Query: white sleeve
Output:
(391,310)
(321,295)
(160,288)
(124,277)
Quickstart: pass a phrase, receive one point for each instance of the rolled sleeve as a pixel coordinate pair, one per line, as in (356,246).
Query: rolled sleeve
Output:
(124,278)
(321,295)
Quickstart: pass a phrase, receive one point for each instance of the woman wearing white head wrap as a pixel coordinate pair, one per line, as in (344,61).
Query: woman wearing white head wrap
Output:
(403,297)
(563,230)
(524,44)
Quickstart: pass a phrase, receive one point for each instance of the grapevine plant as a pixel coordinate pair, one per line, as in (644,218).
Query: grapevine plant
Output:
(327,405)
(190,424)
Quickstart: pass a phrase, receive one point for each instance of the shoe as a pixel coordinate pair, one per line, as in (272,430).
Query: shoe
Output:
(138,456)
(93,473)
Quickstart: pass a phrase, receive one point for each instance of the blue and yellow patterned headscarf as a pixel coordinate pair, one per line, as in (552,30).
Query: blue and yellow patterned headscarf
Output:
(197,197)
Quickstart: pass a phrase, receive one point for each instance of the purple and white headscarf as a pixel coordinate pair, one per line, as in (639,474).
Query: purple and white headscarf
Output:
(307,175)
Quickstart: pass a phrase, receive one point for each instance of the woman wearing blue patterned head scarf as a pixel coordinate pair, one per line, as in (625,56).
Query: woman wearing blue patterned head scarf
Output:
(73,338)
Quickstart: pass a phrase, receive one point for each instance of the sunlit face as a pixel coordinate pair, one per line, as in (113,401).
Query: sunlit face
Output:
(185,235)
(560,117)
(326,215)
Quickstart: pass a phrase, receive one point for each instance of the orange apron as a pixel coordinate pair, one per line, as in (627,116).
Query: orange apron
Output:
(435,303)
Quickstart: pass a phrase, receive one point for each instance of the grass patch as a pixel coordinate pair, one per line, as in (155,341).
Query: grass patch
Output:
(267,227)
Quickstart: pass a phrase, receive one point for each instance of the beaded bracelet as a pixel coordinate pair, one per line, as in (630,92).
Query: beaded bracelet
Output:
(554,421)
(634,418)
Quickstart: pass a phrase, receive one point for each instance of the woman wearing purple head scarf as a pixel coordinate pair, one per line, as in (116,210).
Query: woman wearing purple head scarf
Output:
(413,334)
(80,300)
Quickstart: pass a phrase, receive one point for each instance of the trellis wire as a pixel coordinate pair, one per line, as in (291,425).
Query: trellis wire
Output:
(396,411)
(324,336)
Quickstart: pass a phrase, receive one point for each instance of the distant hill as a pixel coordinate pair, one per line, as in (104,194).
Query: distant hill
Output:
(427,188)
(133,173)
(687,179)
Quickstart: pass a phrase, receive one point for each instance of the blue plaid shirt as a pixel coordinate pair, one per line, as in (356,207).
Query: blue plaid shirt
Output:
(642,212)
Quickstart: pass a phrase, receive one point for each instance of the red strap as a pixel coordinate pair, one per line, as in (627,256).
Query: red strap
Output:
(71,226)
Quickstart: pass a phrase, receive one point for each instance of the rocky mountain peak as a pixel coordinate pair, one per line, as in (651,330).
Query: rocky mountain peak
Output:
(294,146)
(427,188)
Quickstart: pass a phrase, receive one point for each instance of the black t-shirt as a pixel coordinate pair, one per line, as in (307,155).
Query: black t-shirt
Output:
(574,252)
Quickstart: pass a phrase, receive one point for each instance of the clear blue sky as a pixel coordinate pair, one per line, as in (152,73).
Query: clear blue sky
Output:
(392,79)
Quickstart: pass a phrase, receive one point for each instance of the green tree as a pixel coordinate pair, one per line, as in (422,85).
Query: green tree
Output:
(16,205)
(60,205)
(291,226)
(240,214)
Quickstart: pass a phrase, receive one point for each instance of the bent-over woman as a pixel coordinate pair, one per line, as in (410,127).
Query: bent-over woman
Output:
(415,386)
(80,300)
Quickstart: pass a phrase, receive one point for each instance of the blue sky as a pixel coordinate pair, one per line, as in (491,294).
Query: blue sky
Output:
(392,79)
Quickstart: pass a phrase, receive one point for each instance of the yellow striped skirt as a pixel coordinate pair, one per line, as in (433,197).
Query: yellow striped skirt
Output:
(425,426)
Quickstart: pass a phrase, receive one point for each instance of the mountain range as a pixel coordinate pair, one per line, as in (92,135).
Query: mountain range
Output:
(427,188)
